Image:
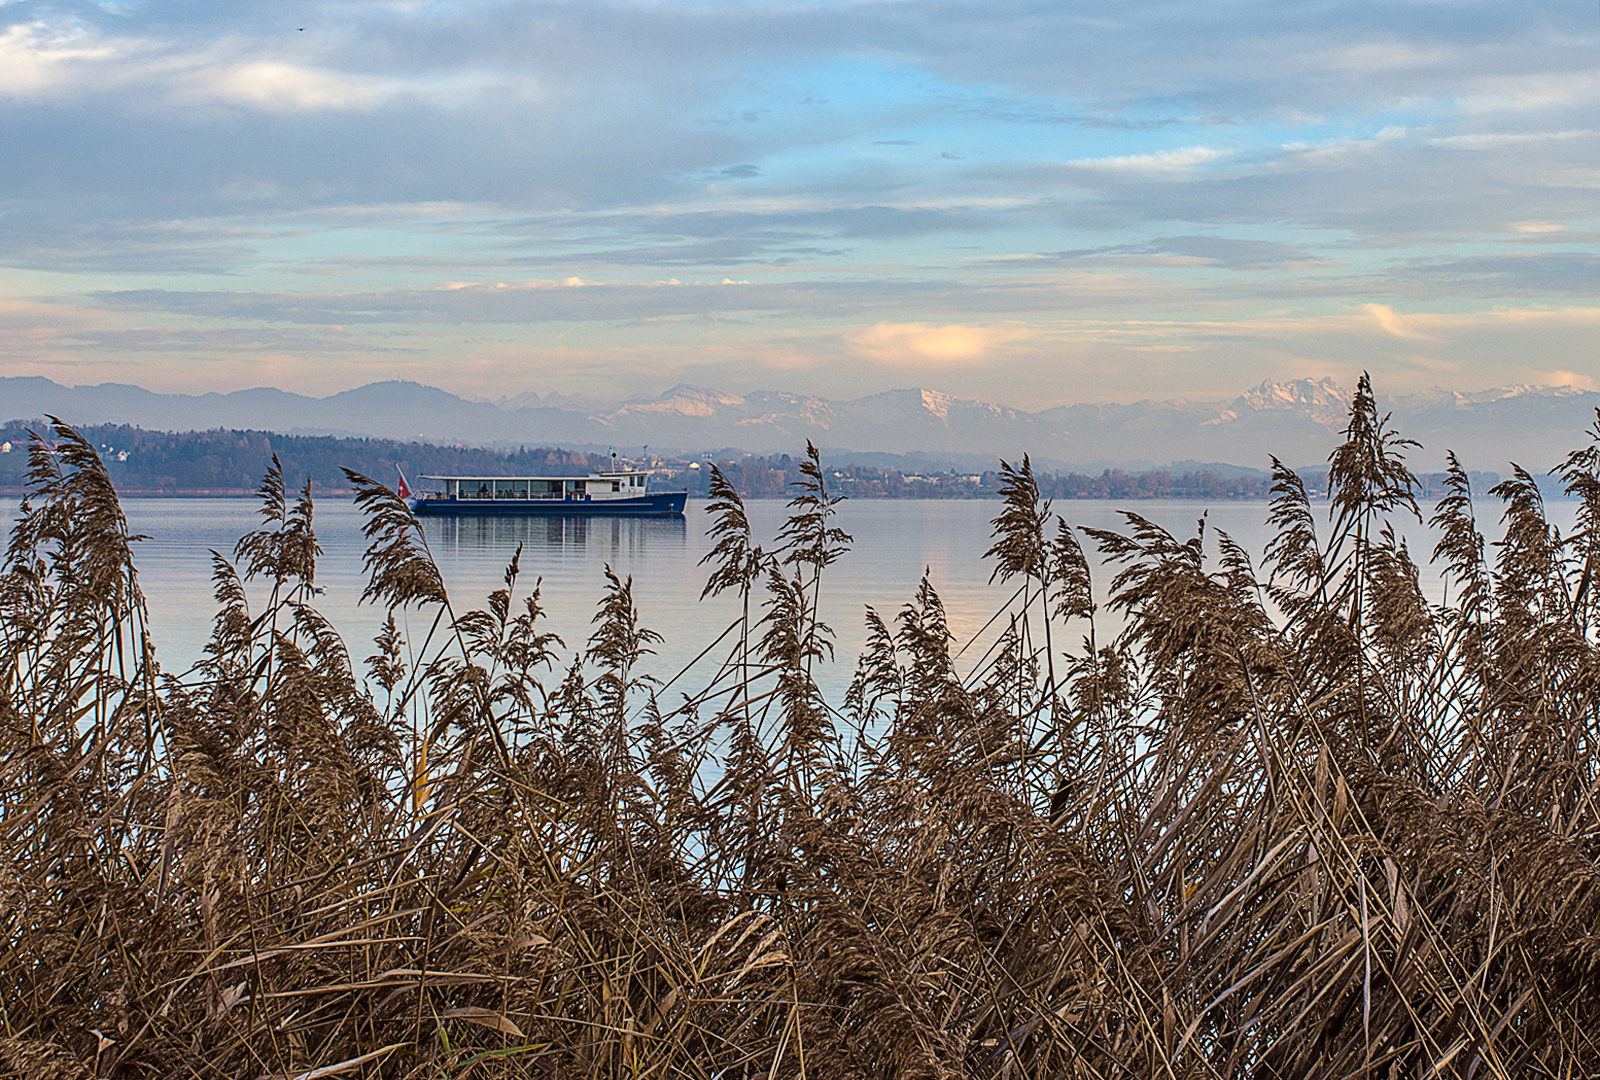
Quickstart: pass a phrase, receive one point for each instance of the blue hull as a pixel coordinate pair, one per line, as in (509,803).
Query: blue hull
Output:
(662,504)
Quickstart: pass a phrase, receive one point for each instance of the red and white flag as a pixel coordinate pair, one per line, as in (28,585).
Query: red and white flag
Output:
(404,491)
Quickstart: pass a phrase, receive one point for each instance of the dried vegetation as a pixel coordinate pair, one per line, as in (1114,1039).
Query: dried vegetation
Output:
(1291,821)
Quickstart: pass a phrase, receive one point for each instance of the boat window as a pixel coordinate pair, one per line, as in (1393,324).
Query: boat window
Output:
(616,485)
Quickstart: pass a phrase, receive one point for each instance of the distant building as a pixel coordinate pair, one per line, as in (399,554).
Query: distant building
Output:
(5,448)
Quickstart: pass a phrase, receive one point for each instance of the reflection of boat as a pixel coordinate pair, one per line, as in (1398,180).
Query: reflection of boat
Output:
(614,536)
(624,492)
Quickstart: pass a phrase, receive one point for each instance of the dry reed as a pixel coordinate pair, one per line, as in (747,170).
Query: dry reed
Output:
(1289,822)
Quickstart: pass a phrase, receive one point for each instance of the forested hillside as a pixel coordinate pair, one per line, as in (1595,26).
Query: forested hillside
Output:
(219,461)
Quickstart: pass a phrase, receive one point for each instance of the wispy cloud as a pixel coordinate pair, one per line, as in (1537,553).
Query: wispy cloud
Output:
(1393,323)
(1163,161)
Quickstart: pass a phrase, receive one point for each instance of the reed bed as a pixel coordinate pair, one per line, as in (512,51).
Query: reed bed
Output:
(1293,820)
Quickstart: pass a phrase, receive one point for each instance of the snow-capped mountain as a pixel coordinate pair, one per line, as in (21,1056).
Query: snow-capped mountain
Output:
(1321,401)
(1299,421)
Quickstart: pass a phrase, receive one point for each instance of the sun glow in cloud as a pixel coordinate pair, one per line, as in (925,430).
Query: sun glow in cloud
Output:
(920,345)
(1569,379)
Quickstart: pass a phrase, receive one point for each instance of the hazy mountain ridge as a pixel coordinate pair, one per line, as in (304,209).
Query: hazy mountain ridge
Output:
(1298,421)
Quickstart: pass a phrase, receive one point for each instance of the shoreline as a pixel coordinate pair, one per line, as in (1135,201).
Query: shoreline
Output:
(12,491)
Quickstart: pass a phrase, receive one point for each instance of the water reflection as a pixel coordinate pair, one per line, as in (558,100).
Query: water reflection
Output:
(613,539)
(894,541)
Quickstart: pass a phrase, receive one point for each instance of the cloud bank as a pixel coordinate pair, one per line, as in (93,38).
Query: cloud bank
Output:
(1035,204)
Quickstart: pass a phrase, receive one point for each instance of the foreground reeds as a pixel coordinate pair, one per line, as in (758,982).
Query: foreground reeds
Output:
(1293,821)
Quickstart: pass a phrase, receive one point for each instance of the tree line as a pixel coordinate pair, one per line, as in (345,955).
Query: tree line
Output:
(228,461)
(223,460)
(774,476)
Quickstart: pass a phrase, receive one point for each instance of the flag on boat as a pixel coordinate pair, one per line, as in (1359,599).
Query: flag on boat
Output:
(404,490)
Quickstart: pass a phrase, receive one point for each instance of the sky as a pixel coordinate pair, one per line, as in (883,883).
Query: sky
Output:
(1030,203)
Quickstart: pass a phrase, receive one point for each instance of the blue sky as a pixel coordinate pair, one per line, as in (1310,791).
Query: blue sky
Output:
(1029,203)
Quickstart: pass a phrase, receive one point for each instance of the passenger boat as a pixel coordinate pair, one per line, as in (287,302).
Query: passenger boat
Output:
(623,492)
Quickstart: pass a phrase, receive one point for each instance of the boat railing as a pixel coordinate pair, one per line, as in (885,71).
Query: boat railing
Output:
(520,496)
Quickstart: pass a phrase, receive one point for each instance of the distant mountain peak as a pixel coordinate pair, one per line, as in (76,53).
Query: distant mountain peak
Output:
(1522,390)
(1321,401)
(938,404)
(686,400)
(1295,394)
(689,390)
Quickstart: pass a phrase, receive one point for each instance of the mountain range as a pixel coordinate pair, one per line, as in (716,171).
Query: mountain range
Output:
(1299,421)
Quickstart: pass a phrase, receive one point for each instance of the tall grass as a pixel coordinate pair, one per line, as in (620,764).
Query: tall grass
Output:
(1291,821)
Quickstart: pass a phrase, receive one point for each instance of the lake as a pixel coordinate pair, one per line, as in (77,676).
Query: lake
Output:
(893,541)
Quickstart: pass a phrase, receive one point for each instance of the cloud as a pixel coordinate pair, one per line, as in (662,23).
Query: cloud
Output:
(922,345)
(1529,91)
(1392,323)
(1569,378)
(1493,140)
(612,341)
(1165,161)
(71,61)
(272,84)
(1227,252)
(36,58)
(819,300)
(1515,273)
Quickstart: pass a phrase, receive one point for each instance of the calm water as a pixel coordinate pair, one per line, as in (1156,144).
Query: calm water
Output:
(894,541)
